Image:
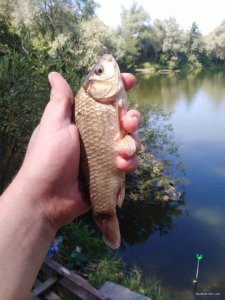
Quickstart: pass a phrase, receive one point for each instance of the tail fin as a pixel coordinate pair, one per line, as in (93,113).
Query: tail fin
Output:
(109,226)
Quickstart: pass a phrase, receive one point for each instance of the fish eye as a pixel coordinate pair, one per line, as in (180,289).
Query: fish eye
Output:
(99,70)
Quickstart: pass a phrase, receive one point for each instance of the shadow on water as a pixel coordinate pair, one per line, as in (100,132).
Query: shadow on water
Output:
(141,219)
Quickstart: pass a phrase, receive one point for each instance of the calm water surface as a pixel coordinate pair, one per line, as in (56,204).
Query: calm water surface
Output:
(197,107)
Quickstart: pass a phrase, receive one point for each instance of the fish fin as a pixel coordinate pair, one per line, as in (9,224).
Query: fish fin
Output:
(111,230)
(126,146)
(121,195)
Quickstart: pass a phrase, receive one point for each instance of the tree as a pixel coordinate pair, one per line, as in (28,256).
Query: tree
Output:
(157,36)
(195,51)
(86,8)
(194,43)
(47,16)
(135,22)
(88,49)
(215,44)
(174,42)
(8,38)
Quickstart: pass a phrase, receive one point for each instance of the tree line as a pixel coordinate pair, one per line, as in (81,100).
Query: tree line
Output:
(70,28)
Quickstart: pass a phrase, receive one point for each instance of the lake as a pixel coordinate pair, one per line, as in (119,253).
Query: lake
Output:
(197,107)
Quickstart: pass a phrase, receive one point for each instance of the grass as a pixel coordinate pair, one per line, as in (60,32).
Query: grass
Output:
(83,249)
(113,269)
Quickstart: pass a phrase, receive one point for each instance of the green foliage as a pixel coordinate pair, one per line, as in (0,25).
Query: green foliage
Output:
(193,63)
(163,60)
(108,269)
(83,249)
(112,269)
(195,42)
(215,45)
(173,43)
(88,49)
(23,95)
(151,181)
(8,38)
(77,238)
(173,63)
(134,31)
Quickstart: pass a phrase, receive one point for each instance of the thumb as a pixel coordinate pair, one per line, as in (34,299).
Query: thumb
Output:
(58,110)
(60,87)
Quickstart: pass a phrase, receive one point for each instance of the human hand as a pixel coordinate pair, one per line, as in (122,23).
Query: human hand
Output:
(51,165)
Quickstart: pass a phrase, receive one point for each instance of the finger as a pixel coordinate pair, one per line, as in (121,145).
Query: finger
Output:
(58,109)
(127,165)
(131,121)
(60,87)
(128,81)
(124,149)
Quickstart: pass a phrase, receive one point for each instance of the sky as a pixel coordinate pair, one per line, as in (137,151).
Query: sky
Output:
(207,14)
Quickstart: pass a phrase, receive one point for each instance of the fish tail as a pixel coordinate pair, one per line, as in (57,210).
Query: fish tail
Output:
(109,226)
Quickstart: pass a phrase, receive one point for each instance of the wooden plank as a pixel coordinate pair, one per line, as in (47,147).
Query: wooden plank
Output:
(78,291)
(41,288)
(34,298)
(49,295)
(76,281)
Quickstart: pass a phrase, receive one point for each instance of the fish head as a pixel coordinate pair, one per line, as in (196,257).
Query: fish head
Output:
(104,81)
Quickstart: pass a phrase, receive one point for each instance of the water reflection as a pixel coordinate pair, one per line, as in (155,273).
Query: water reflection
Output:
(167,90)
(148,208)
(197,107)
(140,219)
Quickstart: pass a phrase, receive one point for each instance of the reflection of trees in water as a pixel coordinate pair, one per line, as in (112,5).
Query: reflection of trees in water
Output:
(213,86)
(152,196)
(140,219)
(159,167)
(167,90)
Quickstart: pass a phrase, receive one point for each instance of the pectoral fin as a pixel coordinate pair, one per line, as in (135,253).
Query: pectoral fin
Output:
(121,195)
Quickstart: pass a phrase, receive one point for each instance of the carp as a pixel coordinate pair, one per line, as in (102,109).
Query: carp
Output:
(100,105)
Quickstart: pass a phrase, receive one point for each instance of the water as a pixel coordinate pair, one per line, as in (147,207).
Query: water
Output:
(197,107)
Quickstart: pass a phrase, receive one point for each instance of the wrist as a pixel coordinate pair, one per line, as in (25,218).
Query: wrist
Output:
(25,237)
(20,198)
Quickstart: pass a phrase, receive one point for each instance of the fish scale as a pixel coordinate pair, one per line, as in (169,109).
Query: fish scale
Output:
(98,121)
(100,165)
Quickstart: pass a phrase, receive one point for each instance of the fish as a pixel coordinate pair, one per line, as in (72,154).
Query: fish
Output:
(100,105)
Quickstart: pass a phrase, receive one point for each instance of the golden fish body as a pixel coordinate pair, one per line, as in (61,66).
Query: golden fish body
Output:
(99,106)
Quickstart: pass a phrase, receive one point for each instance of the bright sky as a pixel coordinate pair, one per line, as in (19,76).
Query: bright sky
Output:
(208,14)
